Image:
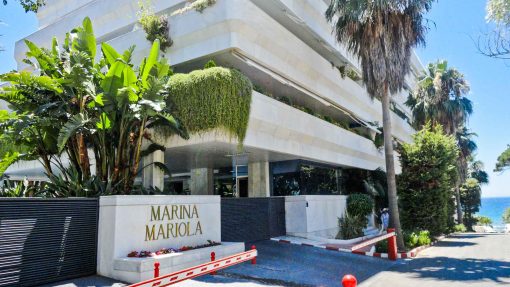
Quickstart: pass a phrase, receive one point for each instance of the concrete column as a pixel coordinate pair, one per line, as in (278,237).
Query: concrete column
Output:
(152,175)
(202,182)
(258,179)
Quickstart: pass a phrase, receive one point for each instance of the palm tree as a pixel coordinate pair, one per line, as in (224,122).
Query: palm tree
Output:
(382,35)
(476,171)
(441,100)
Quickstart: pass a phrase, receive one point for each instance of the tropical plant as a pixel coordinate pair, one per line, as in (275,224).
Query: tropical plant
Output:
(440,99)
(77,107)
(428,176)
(506,216)
(155,27)
(350,227)
(470,197)
(382,35)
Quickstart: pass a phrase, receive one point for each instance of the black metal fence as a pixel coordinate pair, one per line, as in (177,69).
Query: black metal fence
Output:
(47,240)
(252,219)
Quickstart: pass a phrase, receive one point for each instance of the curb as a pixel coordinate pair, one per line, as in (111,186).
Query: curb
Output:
(401,255)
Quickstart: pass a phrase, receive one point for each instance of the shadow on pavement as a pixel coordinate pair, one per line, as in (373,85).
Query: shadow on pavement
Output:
(294,265)
(450,243)
(452,269)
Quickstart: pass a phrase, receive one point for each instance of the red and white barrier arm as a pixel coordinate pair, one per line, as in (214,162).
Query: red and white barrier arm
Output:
(372,241)
(199,270)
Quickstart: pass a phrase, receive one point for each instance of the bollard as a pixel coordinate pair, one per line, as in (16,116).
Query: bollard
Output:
(156,269)
(254,259)
(392,245)
(349,281)
(213,257)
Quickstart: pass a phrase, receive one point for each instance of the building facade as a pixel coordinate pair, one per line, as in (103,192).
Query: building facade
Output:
(308,123)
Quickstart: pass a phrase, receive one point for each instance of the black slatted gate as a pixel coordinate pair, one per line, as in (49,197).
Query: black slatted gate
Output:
(47,240)
(252,219)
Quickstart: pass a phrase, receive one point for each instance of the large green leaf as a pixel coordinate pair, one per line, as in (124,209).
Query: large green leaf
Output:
(113,79)
(150,62)
(85,40)
(76,123)
(109,53)
(7,161)
(104,122)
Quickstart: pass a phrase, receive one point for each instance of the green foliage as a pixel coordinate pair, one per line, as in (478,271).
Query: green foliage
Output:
(503,161)
(416,239)
(506,216)
(348,71)
(155,27)
(428,177)
(498,11)
(483,220)
(197,5)
(350,227)
(78,105)
(382,246)
(29,5)
(359,205)
(209,64)
(459,228)
(470,198)
(212,98)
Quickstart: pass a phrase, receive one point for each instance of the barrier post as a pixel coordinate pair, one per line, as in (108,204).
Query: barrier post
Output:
(392,245)
(254,259)
(349,281)
(213,257)
(156,269)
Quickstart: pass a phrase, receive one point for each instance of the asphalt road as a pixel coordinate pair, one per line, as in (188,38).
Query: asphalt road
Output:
(460,260)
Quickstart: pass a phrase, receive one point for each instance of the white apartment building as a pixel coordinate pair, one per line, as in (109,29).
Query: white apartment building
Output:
(286,48)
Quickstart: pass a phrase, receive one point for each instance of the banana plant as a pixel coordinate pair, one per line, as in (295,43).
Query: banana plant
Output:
(100,110)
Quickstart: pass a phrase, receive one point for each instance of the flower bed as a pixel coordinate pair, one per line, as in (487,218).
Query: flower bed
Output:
(144,253)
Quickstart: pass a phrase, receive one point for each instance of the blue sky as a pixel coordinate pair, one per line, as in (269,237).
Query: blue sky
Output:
(457,23)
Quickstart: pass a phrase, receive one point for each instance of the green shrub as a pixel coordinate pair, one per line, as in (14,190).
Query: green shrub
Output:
(212,98)
(411,239)
(424,238)
(359,204)
(429,172)
(459,228)
(382,246)
(350,227)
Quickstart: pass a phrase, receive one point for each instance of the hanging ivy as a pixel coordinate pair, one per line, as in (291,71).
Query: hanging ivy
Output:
(212,98)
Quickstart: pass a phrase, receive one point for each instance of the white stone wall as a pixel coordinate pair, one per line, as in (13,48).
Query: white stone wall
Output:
(313,214)
(123,220)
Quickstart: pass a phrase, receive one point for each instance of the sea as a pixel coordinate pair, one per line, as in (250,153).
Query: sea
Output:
(493,207)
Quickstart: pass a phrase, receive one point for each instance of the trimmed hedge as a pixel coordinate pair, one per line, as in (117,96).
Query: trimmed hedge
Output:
(212,98)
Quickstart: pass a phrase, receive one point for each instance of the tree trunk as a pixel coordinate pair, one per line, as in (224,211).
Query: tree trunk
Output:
(390,168)
(457,201)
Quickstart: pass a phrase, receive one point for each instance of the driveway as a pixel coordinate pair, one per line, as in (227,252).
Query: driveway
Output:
(460,260)
(278,264)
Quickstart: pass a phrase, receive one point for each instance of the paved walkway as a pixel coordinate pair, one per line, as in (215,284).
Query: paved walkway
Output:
(473,260)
